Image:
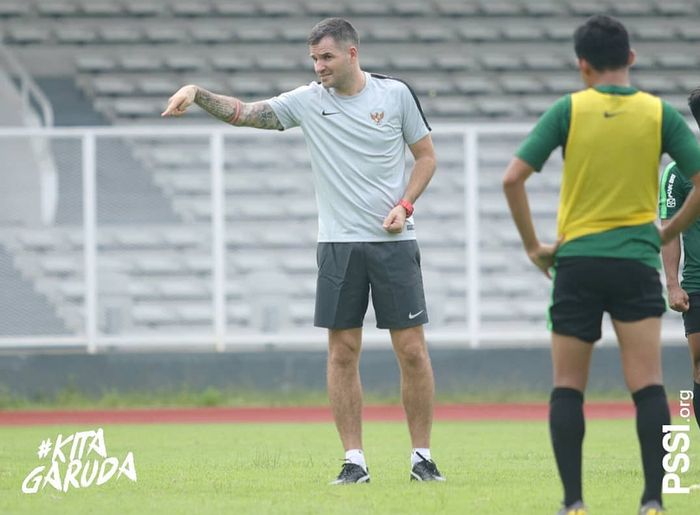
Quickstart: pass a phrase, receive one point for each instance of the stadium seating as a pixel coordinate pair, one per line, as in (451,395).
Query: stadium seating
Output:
(504,60)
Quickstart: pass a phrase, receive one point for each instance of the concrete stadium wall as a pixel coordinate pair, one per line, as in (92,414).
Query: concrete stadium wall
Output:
(456,370)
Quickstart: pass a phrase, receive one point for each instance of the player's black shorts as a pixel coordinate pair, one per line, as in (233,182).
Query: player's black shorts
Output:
(347,272)
(585,287)
(691,318)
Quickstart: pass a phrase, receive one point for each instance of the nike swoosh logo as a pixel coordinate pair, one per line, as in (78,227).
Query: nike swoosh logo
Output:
(411,316)
(326,113)
(609,114)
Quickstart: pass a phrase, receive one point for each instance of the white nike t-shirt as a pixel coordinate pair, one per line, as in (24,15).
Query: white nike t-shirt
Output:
(357,147)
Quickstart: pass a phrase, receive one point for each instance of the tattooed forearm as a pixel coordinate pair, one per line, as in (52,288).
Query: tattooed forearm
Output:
(259,115)
(219,106)
(231,110)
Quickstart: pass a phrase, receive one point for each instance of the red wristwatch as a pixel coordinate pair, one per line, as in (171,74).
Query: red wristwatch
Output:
(407,206)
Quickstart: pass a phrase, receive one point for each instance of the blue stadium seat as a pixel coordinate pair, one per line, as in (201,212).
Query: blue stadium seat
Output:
(522,32)
(153,315)
(412,8)
(520,84)
(144,7)
(368,8)
(676,8)
(677,61)
(455,62)
(548,8)
(235,8)
(278,62)
(501,62)
(655,83)
(587,7)
(26,34)
(324,9)
(285,9)
(183,62)
(456,8)
(113,85)
(290,82)
(252,85)
(40,241)
(190,8)
(500,8)
(470,84)
(95,63)
(689,32)
(103,8)
(430,85)
(434,33)
(654,32)
(165,34)
(118,34)
(632,8)
(158,85)
(547,61)
(75,35)
(477,33)
(141,63)
(137,107)
(535,106)
(294,34)
(374,62)
(450,107)
(389,33)
(211,34)
(560,30)
(184,289)
(239,314)
(562,84)
(60,265)
(57,8)
(403,62)
(232,62)
(255,34)
(11,9)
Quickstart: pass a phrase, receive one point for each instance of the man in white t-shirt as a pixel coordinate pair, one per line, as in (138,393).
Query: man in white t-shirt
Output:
(356,126)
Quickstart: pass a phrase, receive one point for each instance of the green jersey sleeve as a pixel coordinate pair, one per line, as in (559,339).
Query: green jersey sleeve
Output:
(678,141)
(673,190)
(550,132)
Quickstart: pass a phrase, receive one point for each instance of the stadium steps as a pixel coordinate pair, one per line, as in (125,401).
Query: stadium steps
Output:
(24,311)
(126,192)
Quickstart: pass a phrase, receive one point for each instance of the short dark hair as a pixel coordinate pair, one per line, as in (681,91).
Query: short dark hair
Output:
(604,42)
(694,104)
(339,29)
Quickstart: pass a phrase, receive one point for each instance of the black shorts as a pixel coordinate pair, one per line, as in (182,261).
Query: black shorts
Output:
(585,287)
(348,271)
(691,318)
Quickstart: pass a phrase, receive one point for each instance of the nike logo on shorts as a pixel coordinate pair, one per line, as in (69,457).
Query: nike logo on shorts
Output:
(411,316)
(329,113)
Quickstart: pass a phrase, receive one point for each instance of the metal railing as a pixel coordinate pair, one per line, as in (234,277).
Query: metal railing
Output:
(30,92)
(218,336)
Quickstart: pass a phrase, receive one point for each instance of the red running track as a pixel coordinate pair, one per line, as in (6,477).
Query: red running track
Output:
(448,412)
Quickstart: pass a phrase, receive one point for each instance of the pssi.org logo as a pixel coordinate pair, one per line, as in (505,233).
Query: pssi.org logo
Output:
(676,442)
(86,463)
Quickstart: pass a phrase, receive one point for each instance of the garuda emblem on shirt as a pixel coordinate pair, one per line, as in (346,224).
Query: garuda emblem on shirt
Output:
(377,117)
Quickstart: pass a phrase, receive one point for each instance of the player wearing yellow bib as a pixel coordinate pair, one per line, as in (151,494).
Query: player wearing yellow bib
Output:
(684,296)
(607,254)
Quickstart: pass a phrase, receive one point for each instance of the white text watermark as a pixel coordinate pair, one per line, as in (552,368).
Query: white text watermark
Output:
(78,460)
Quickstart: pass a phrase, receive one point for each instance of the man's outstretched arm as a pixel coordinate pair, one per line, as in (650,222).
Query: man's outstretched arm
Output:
(227,109)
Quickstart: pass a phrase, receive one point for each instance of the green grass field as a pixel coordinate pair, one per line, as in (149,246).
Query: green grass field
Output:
(491,468)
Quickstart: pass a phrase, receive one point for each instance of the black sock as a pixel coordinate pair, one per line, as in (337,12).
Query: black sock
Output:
(566,428)
(652,414)
(696,402)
